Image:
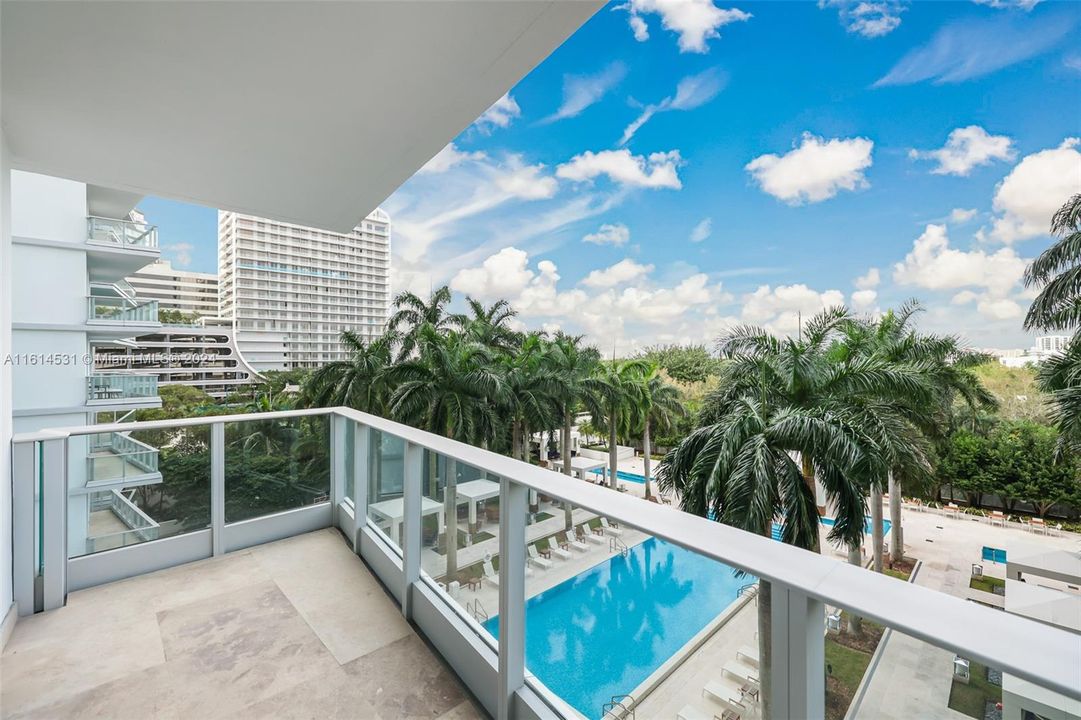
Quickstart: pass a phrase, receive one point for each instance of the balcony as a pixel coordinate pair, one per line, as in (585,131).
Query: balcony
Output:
(112,389)
(116,249)
(121,233)
(119,310)
(638,606)
(118,459)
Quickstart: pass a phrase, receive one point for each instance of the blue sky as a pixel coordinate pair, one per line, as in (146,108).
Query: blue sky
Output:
(676,168)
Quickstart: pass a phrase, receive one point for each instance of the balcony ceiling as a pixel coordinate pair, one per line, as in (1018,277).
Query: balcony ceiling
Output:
(306,112)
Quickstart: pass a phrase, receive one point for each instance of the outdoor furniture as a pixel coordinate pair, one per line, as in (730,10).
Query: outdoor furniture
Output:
(610,529)
(727,694)
(951,510)
(473,582)
(748,654)
(741,671)
(490,573)
(690,712)
(555,549)
(536,559)
(998,518)
(589,536)
(1037,525)
(577,544)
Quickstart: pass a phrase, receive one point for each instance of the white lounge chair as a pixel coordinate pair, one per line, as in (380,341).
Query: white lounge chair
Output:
(490,574)
(557,551)
(727,694)
(690,712)
(536,559)
(741,671)
(584,533)
(577,544)
(748,654)
(613,531)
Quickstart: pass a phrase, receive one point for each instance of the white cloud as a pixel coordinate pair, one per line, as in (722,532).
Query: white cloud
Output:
(1025,5)
(692,92)
(934,265)
(863,299)
(815,170)
(780,309)
(999,308)
(505,274)
(966,148)
(1026,199)
(1072,61)
(695,21)
(622,272)
(702,230)
(526,182)
(868,280)
(450,156)
(656,171)
(581,91)
(609,234)
(961,215)
(869,19)
(500,114)
(964,297)
(969,49)
(179,253)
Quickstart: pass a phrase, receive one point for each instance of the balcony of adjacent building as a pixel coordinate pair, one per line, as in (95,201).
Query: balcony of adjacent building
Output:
(121,390)
(483,586)
(117,248)
(114,311)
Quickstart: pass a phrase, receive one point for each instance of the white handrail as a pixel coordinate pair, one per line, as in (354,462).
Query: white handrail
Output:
(1042,654)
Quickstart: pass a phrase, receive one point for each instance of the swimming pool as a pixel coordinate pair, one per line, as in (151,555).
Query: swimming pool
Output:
(624,475)
(602,633)
(828,521)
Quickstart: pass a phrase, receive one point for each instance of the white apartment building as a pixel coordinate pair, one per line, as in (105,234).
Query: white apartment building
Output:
(1051,344)
(174,289)
(307,283)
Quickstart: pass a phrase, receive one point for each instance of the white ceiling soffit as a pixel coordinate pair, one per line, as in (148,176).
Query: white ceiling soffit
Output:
(110,203)
(309,112)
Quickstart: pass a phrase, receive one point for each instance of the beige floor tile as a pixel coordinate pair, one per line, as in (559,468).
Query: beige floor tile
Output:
(404,680)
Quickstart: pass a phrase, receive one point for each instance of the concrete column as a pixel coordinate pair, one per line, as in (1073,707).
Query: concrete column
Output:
(797,655)
(512,558)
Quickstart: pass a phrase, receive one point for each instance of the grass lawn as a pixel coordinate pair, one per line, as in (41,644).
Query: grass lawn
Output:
(847,658)
(985,583)
(971,699)
(542,516)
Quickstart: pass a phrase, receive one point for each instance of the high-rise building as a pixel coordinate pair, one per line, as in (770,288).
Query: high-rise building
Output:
(183,290)
(1052,344)
(307,283)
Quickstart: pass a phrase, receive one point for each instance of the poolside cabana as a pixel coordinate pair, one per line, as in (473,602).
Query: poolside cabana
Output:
(475,492)
(393,511)
(581,465)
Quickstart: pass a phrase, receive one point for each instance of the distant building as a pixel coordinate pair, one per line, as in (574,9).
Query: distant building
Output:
(1052,344)
(1045,347)
(183,290)
(305,283)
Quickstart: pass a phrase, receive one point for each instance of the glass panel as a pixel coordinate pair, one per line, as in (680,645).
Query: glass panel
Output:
(103,387)
(350,454)
(116,309)
(616,606)
(385,475)
(110,231)
(167,497)
(275,465)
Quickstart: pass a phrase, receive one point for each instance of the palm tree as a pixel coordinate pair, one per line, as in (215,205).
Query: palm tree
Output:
(529,391)
(947,370)
(574,366)
(619,386)
(663,405)
(779,400)
(1058,307)
(490,326)
(411,314)
(361,382)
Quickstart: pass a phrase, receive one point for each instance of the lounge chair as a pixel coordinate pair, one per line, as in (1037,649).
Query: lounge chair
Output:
(557,551)
(748,654)
(1038,525)
(998,518)
(586,535)
(490,574)
(576,544)
(610,529)
(536,559)
(690,712)
(727,694)
(741,671)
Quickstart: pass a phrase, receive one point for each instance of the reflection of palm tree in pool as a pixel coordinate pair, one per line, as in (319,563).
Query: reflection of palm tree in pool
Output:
(639,588)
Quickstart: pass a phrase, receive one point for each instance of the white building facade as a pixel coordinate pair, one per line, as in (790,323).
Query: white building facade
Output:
(183,290)
(307,283)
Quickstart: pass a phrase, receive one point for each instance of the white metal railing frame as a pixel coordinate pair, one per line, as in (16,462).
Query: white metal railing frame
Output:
(122,309)
(802,582)
(125,447)
(140,525)
(126,233)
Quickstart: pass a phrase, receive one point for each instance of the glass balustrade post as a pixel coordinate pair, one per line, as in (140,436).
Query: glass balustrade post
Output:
(217,487)
(54,503)
(339,425)
(411,535)
(513,502)
(362,446)
(24,539)
(797,663)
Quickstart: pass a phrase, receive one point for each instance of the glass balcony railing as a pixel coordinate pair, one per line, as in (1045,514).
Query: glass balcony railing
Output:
(118,456)
(105,388)
(121,310)
(122,233)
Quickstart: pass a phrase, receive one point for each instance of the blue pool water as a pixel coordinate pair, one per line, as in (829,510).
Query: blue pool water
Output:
(776,532)
(623,475)
(605,631)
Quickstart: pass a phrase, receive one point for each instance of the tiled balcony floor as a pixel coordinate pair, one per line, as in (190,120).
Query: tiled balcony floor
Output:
(293,629)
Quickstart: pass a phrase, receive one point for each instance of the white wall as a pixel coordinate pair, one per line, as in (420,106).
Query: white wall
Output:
(6,423)
(51,286)
(50,386)
(48,208)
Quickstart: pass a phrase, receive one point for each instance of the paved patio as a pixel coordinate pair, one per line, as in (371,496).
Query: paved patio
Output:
(293,629)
